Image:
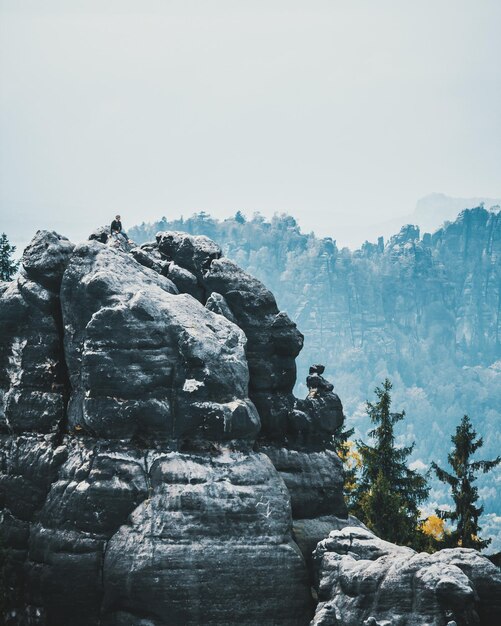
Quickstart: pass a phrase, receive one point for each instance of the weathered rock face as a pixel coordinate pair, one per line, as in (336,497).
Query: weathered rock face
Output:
(130,489)
(46,257)
(273,341)
(33,380)
(364,580)
(232,510)
(126,535)
(153,362)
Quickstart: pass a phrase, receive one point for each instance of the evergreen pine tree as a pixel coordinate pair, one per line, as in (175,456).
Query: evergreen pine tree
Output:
(464,493)
(388,492)
(7,267)
(340,440)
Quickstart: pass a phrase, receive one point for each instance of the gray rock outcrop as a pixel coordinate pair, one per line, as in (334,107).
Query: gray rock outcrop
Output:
(273,341)
(153,361)
(133,388)
(364,580)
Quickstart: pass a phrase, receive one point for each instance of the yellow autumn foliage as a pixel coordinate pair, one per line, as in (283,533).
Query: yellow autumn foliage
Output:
(350,455)
(352,461)
(434,527)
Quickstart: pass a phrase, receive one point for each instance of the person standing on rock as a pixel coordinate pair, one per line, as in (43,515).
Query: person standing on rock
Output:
(116,228)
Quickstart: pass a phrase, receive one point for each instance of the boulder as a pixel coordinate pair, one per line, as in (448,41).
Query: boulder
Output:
(194,253)
(273,341)
(101,234)
(210,541)
(46,257)
(116,241)
(365,580)
(145,361)
(316,418)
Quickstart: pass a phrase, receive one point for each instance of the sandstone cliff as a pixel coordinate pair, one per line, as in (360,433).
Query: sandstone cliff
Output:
(134,387)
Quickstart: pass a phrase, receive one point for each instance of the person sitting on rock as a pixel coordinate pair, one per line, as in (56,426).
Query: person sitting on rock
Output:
(116,229)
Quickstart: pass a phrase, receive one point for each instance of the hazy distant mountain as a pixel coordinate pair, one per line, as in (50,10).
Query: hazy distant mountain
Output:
(430,214)
(423,310)
(436,208)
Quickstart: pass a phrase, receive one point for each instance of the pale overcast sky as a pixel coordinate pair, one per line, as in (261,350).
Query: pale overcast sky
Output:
(339,112)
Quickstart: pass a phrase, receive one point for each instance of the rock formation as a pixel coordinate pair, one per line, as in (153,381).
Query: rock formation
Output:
(155,467)
(366,581)
(134,387)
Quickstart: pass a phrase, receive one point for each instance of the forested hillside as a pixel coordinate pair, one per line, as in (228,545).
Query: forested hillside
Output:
(421,309)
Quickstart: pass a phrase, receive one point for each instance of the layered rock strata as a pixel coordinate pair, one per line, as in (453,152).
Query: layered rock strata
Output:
(295,434)
(133,389)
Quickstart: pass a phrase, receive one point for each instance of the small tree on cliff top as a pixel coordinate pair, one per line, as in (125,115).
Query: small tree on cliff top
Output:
(388,492)
(7,267)
(464,493)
